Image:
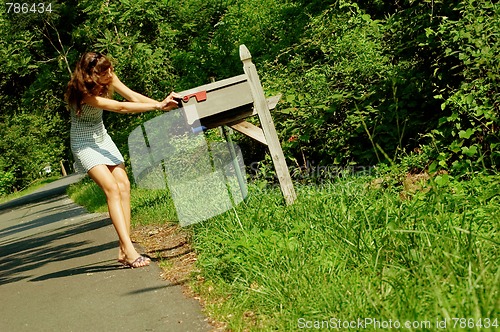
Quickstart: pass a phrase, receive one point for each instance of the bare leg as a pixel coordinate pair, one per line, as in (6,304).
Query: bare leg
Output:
(104,178)
(120,175)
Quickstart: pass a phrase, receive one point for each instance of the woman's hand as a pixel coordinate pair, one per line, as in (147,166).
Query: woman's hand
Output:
(169,103)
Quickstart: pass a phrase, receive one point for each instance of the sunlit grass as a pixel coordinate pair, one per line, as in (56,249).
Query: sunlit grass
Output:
(89,195)
(348,251)
(31,188)
(148,206)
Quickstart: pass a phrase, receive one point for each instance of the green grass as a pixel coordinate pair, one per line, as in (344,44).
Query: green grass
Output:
(148,206)
(348,250)
(86,193)
(31,188)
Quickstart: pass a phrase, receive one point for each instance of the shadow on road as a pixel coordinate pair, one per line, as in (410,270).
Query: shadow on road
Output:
(21,255)
(61,212)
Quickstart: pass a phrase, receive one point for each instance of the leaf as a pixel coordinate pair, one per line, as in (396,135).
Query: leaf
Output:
(453,116)
(466,134)
(469,151)
(442,180)
(469,99)
(286,110)
(442,121)
(366,17)
(455,146)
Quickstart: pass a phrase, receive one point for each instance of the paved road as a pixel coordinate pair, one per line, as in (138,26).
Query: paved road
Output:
(58,272)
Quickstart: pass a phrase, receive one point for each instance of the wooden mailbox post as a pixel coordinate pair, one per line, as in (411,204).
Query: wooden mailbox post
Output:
(229,102)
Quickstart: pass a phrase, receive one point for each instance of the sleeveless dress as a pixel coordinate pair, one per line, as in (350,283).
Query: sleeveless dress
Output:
(90,143)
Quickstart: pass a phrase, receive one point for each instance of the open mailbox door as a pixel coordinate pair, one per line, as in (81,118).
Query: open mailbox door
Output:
(205,179)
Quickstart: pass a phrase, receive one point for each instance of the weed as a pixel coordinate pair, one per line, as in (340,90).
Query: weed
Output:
(349,251)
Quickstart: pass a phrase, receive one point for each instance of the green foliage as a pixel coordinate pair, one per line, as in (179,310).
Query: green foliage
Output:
(348,250)
(29,143)
(356,90)
(365,90)
(7,181)
(32,78)
(467,136)
(363,82)
(135,33)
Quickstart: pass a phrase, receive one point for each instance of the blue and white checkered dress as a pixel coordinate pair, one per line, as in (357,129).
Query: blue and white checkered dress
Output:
(90,143)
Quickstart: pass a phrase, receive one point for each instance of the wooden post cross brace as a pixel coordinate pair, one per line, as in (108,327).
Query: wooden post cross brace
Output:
(229,102)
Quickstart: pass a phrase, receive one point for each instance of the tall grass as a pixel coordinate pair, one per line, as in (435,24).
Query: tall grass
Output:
(348,251)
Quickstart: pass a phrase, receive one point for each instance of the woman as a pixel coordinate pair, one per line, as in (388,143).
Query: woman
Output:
(89,92)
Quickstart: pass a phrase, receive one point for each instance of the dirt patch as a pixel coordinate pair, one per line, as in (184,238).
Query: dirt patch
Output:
(409,185)
(169,246)
(414,183)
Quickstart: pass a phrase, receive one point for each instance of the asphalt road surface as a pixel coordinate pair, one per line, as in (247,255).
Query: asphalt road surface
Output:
(58,272)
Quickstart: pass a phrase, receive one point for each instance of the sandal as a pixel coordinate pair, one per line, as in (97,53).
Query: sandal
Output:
(137,263)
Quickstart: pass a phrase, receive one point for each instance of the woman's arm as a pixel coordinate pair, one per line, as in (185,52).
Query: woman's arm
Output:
(126,106)
(127,93)
(136,103)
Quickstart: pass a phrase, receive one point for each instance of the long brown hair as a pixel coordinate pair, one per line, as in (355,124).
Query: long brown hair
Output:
(85,80)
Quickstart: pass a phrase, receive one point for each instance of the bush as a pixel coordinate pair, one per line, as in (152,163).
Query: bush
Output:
(29,143)
(333,83)
(7,180)
(467,137)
